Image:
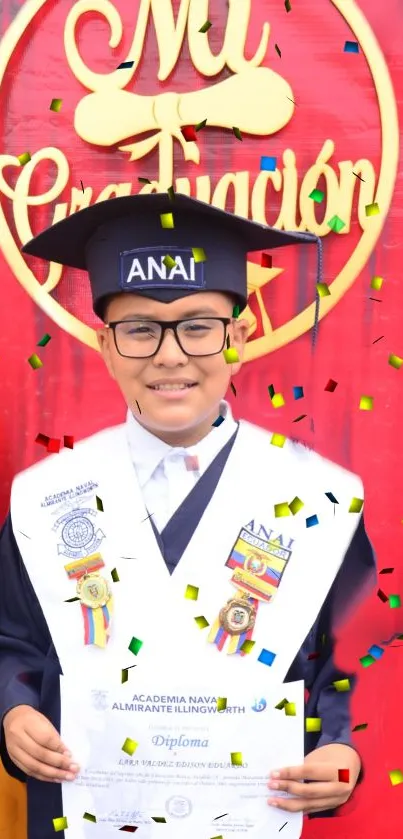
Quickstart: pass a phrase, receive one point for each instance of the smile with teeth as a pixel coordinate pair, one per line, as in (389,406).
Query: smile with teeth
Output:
(172,386)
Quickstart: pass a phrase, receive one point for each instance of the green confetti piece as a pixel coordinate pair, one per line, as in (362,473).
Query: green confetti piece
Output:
(367,660)
(236,311)
(247,646)
(342,685)
(24,158)
(281,705)
(287,5)
(313,724)
(135,645)
(395,361)
(159,819)
(278,440)
(90,818)
(394,601)
(201,622)
(192,592)
(290,709)
(144,181)
(396,777)
(278,400)
(361,726)
(296,505)
(35,361)
(232,386)
(278,50)
(336,224)
(129,746)
(71,600)
(125,675)
(322,289)
(199,255)
(167,221)
(231,355)
(317,195)
(366,403)
(201,125)
(169,262)
(56,105)
(171,193)
(271,391)
(237,133)
(221,703)
(281,510)
(99,504)
(115,576)
(356,505)
(45,340)
(60,824)
(236,759)
(206,26)
(372,209)
(376,283)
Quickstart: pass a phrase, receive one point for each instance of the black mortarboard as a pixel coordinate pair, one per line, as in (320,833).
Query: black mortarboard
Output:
(122,244)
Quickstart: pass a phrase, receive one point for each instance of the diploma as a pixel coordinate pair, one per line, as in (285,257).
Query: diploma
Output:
(159,754)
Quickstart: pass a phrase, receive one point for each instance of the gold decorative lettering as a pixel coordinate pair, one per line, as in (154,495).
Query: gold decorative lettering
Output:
(287,216)
(240,183)
(348,183)
(232,54)
(259,192)
(332,198)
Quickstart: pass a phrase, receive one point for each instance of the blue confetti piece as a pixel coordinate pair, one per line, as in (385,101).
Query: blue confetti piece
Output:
(266,657)
(311,521)
(376,651)
(298,392)
(268,164)
(126,65)
(351,46)
(331,497)
(218,422)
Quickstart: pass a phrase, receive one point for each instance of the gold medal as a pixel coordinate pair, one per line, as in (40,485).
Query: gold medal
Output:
(93,591)
(238,616)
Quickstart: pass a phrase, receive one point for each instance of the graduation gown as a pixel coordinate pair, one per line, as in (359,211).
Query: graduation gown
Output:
(32,658)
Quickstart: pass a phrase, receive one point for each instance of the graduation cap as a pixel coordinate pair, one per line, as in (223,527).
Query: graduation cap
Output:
(124,246)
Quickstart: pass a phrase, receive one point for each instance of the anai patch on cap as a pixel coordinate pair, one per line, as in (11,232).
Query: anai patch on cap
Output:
(165,266)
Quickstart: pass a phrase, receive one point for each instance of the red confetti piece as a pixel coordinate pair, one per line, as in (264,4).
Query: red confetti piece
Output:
(331,385)
(266,261)
(42,439)
(382,596)
(53,445)
(189,133)
(344,775)
(68,441)
(128,828)
(312,656)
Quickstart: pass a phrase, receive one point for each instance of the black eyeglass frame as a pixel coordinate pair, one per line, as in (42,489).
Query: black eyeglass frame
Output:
(170,324)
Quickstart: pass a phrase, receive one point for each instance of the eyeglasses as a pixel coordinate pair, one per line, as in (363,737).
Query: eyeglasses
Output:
(143,338)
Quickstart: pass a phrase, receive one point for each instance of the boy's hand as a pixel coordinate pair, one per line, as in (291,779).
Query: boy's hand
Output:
(34,745)
(321,767)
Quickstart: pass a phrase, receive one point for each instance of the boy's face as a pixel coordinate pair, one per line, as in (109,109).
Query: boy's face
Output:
(185,416)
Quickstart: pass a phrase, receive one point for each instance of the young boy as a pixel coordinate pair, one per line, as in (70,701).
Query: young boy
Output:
(164,499)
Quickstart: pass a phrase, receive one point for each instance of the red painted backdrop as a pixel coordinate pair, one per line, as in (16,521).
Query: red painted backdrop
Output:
(71,393)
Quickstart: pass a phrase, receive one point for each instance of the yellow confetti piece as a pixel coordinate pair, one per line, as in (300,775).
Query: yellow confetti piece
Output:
(90,818)
(192,592)
(159,819)
(115,576)
(281,510)
(372,209)
(201,622)
(278,400)
(169,262)
(376,283)
(129,746)
(290,709)
(221,703)
(60,824)
(236,758)
(167,221)
(56,105)
(199,255)
(322,289)
(356,505)
(24,158)
(342,685)
(35,361)
(395,361)
(231,355)
(396,777)
(278,440)
(281,705)
(206,26)
(99,504)
(296,505)
(247,646)
(366,403)
(313,724)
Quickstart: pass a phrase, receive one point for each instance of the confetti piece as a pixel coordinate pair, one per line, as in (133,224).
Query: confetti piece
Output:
(266,657)
(35,361)
(138,406)
(375,299)
(191,463)
(247,647)
(144,180)
(189,133)
(396,777)
(287,5)
(216,819)
(42,439)
(236,758)
(199,255)
(60,824)
(71,600)
(331,386)
(159,819)
(201,622)
(312,656)
(268,164)
(290,709)
(126,65)
(359,177)
(206,26)
(331,497)
(266,260)
(167,221)
(125,673)
(301,417)
(344,776)
(192,592)
(372,209)
(56,105)
(376,651)
(45,340)
(312,520)
(387,571)
(366,403)
(281,510)
(378,339)
(231,355)
(201,125)
(24,158)
(271,391)
(90,818)
(82,186)
(278,440)
(351,46)
(232,386)
(278,400)
(221,703)
(169,261)
(228,342)
(298,392)
(236,311)
(323,289)
(218,422)
(367,660)
(296,505)
(237,133)
(342,685)
(53,446)
(171,193)
(115,576)
(317,195)
(395,361)
(394,601)
(99,504)
(129,746)
(129,828)
(281,705)
(336,224)
(313,724)
(285,823)
(356,505)
(68,441)
(382,596)
(135,645)
(278,50)
(376,283)
(361,726)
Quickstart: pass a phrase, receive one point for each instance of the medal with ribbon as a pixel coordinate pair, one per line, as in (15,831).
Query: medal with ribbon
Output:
(96,598)
(258,566)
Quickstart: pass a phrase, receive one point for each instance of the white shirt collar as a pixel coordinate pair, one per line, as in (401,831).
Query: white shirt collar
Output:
(148,451)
